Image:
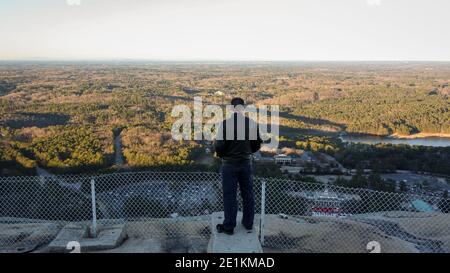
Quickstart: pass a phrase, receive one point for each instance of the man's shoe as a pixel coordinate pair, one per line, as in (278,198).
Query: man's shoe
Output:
(221,229)
(248,229)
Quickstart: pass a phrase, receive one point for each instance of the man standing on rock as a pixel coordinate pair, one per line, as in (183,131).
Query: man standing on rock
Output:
(238,137)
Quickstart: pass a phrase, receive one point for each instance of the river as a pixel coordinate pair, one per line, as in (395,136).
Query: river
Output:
(426,141)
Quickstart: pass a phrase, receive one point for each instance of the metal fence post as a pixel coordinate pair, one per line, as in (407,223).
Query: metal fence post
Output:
(94,209)
(263,211)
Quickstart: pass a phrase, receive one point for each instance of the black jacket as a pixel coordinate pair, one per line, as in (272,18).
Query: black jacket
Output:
(237,150)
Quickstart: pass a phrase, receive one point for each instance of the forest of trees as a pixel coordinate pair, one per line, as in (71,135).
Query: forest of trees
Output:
(388,158)
(62,149)
(385,115)
(63,116)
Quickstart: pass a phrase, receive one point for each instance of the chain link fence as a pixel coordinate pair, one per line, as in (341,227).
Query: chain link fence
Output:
(310,217)
(292,216)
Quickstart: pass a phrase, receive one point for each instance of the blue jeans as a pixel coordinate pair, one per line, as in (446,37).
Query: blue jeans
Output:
(232,176)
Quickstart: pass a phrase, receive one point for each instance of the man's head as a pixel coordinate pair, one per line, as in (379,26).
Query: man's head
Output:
(237,101)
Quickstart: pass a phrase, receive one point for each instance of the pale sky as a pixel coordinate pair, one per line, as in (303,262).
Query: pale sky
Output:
(225,29)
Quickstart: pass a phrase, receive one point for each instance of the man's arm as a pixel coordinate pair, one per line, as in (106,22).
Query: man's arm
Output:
(256,144)
(219,143)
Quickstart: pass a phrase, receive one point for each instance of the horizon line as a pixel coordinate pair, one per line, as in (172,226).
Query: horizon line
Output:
(219,60)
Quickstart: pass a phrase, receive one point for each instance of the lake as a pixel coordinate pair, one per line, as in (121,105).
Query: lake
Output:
(426,141)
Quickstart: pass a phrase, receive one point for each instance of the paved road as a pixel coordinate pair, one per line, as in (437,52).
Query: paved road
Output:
(118,156)
(43,174)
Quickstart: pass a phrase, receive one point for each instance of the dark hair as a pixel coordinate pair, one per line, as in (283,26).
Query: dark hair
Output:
(237,101)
